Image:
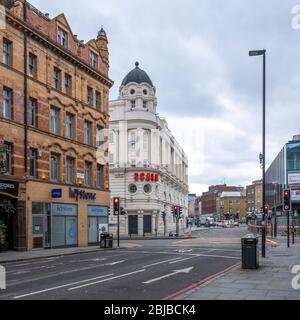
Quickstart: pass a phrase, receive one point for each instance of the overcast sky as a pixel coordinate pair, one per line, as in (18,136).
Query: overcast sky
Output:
(208,88)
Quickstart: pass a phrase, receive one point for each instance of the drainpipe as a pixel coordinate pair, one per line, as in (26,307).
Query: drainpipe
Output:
(25,92)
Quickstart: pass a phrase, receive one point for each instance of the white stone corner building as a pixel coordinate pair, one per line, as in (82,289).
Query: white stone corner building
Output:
(148,168)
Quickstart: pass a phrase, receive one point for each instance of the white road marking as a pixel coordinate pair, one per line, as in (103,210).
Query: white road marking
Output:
(184,259)
(30,263)
(186,270)
(62,286)
(160,262)
(31,269)
(114,263)
(112,278)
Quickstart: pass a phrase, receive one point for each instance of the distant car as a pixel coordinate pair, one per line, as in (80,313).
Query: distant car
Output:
(219,223)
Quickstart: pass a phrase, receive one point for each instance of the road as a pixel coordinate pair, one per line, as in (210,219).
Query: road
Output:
(150,269)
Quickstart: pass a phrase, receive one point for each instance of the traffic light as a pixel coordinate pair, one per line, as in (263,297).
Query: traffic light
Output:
(266,209)
(163,215)
(116,204)
(287,199)
(175,208)
(180,212)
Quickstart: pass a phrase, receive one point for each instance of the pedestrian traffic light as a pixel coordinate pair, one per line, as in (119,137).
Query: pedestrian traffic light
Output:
(122,211)
(287,199)
(116,203)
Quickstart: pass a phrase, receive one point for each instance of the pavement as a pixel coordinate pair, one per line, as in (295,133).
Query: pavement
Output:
(272,281)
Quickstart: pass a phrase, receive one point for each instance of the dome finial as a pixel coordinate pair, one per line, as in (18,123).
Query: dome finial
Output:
(137,64)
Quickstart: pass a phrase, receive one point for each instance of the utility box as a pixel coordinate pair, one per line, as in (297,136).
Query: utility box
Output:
(250,252)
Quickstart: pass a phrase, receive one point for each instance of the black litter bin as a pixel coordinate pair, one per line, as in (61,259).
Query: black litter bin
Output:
(109,240)
(249,252)
(103,240)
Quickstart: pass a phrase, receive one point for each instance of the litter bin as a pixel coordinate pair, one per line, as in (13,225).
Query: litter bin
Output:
(109,240)
(103,240)
(250,252)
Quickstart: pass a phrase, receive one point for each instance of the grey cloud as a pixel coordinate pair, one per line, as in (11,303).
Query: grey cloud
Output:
(196,54)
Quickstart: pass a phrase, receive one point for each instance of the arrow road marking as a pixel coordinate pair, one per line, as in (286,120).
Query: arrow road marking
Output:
(186,270)
(108,279)
(63,286)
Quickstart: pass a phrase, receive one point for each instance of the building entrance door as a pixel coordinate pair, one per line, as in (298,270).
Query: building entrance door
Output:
(147,224)
(133,225)
(8,209)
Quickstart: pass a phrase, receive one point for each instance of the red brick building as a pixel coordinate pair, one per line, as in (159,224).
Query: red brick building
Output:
(209,198)
(54,88)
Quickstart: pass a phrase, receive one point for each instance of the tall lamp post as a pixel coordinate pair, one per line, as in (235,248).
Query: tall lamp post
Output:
(263,158)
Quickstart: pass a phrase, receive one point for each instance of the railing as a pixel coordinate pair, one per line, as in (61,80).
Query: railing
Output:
(255,226)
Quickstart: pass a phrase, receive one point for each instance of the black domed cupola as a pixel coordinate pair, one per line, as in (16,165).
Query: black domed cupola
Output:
(138,76)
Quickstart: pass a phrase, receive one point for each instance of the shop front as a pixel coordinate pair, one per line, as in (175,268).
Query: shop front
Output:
(62,216)
(98,222)
(12,217)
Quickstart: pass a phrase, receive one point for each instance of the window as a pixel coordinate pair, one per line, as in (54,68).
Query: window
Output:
(33,154)
(7,103)
(31,118)
(147,188)
(90,96)
(68,84)
(93,59)
(100,176)
(111,158)
(133,141)
(88,174)
(132,188)
(145,104)
(8,148)
(62,37)
(32,65)
(98,100)
(132,104)
(57,79)
(70,170)
(69,125)
(55,120)
(111,138)
(99,136)
(55,167)
(7,52)
(87,132)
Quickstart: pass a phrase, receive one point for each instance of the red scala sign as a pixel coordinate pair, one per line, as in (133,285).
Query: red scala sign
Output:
(142,176)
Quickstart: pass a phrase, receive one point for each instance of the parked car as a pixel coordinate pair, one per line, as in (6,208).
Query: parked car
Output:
(236,224)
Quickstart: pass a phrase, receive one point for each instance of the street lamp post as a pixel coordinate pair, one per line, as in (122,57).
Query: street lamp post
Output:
(263,241)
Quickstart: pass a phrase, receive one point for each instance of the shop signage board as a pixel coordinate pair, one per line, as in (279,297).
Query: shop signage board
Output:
(294,185)
(146,176)
(9,187)
(82,194)
(56,193)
